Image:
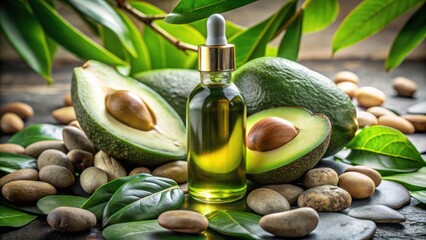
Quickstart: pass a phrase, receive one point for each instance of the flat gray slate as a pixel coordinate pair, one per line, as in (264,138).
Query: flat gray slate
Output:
(377,213)
(418,108)
(390,194)
(337,226)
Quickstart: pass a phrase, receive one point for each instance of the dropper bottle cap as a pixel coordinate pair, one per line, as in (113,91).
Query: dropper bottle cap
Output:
(216,55)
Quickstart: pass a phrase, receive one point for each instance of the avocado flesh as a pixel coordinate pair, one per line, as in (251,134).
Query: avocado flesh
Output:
(270,82)
(166,142)
(293,159)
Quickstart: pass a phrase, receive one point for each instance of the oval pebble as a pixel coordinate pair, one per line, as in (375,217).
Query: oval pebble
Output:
(290,192)
(21,109)
(27,190)
(265,201)
(58,176)
(177,170)
(21,174)
(139,170)
(71,219)
(35,149)
(418,121)
(378,111)
(377,213)
(80,159)
(92,178)
(294,223)
(346,76)
(75,138)
(183,221)
(370,97)
(404,87)
(11,123)
(64,115)
(366,119)
(325,198)
(358,185)
(370,172)
(319,177)
(349,88)
(397,123)
(54,157)
(12,148)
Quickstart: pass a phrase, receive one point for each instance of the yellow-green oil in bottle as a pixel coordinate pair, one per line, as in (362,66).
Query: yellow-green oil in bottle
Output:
(216,115)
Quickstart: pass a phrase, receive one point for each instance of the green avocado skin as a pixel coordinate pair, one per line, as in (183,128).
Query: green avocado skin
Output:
(270,82)
(174,85)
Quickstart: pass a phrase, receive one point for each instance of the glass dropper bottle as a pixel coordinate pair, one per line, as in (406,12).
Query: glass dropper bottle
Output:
(216,118)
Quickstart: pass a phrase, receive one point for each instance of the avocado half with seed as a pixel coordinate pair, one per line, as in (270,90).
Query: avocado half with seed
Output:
(291,160)
(91,84)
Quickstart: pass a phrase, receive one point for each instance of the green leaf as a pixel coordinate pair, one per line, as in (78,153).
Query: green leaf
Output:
(51,202)
(369,17)
(271,51)
(143,199)
(101,12)
(252,42)
(142,61)
(231,28)
(148,229)
(386,165)
(237,224)
(419,195)
(35,133)
(164,54)
(70,37)
(112,43)
(10,217)
(386,141)
(290,44)
(188,10)
(412,181)
(411,35)
(25,34)
(10,162)
(319,14)
(99,199)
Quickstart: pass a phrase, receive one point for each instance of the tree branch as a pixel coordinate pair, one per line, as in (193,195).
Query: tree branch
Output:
(149,21)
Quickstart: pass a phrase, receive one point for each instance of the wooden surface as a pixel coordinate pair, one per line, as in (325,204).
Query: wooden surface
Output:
(19,83)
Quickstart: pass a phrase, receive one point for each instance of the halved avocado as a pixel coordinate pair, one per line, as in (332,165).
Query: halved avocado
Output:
(290,161)
(166,142)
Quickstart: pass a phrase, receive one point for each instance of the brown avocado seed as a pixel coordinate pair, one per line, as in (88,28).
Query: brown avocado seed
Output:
(128,108)
(270,133)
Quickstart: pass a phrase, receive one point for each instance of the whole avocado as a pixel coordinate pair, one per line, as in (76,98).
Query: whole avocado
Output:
(270,82)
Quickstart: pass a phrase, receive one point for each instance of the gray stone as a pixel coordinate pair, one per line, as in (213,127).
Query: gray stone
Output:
(418,108)
(377,213)
(340,226)
(389,193)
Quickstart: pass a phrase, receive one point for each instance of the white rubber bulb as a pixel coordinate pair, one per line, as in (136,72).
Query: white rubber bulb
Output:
(216,30)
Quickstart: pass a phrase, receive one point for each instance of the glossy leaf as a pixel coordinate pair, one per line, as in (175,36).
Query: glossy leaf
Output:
(28,208)
(290,44)
(252,42)
(10,162)
(386,141)
(51,202)
(412,181)
(148,229)
(70,37)
(101,12)
(143,199)
(369,17)
(35,133)
(237,224)
(99,199)
(164,54)
(10,217)
(386,165)
(319,14)
(26,35)
(188,10)
(142,61)
(419,195)
(112,43)
(411,35)
(231,28)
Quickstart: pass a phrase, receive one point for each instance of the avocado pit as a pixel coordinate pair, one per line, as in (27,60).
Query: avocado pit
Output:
(271,133)
(130,109)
